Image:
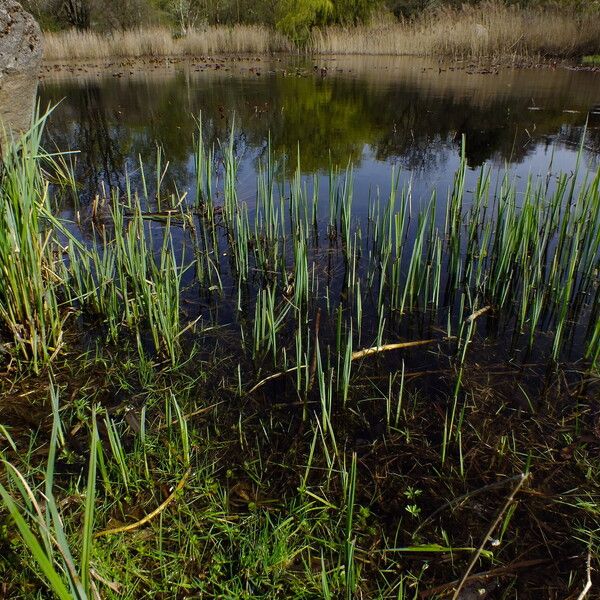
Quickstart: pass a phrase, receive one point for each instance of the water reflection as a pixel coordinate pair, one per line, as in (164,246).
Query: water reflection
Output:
(372,111)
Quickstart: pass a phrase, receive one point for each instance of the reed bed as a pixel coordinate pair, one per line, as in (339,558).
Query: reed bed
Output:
(160,42)
(534,260)
(326,422)
(489,29)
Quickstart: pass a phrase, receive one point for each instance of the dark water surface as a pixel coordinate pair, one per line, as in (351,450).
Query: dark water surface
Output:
(371,111)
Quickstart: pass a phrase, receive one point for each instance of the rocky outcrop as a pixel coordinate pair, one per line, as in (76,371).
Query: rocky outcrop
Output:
(17,102)
(20,40)
(21,51)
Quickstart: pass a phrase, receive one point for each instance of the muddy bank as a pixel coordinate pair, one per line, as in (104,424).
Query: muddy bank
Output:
(299,65)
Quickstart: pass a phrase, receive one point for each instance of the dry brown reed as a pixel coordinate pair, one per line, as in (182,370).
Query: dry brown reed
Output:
(490,29)
(159,42)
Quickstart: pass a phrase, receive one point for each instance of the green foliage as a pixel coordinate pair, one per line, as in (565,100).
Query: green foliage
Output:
(294,18)
(29,309)
(354,12)
(299,16)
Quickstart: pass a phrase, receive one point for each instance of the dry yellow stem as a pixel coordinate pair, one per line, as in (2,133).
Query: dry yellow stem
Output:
(150,516)
(478,313)
(376,349)
(355,356)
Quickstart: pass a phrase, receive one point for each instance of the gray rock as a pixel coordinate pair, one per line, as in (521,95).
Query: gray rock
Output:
(21,45)
(18,92)
(21,50)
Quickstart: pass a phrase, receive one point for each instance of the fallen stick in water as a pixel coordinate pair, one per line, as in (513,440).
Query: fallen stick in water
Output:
(399,346)
(355,356)
(478,313)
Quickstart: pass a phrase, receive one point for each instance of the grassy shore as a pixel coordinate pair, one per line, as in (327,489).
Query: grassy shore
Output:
(487,30)
(202,398)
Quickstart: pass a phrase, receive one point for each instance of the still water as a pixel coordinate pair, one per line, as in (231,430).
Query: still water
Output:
(391,119)
(372,112)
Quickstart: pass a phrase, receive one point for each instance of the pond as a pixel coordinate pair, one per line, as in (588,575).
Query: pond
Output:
(398,122)
(372,111)
(337,320)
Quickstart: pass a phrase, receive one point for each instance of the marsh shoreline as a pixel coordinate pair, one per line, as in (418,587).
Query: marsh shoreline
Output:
(302,65)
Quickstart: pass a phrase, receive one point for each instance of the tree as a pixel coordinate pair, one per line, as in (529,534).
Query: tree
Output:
(76,12)
(186,13)
(353,12)
(298,17)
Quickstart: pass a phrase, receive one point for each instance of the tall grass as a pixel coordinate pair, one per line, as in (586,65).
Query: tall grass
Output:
(28,274)
(41,526)
(488,29)
(532,255)
(124,281)
(160,42)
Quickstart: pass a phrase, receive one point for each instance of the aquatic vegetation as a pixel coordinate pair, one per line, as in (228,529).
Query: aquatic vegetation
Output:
(277,397)
(29,283)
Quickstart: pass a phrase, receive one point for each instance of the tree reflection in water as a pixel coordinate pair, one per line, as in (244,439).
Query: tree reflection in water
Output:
(367,111)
